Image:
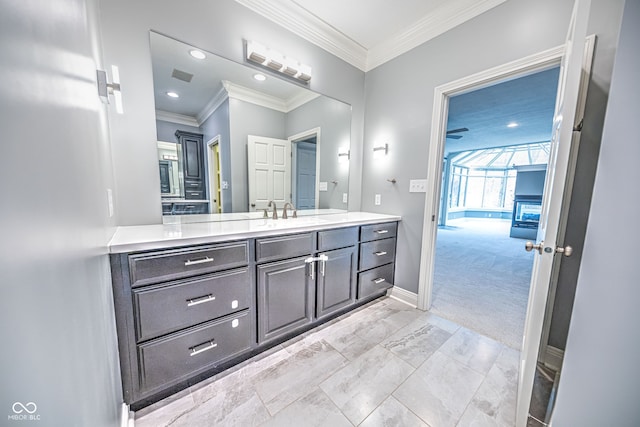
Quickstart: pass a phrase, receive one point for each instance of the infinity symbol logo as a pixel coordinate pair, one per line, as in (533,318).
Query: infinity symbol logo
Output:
(19,408)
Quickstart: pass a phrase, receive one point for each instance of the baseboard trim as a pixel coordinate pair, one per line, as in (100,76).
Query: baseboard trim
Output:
(553,358)
(126,416)
(404,296)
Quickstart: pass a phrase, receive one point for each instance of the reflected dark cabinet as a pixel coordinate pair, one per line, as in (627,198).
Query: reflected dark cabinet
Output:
(192,156)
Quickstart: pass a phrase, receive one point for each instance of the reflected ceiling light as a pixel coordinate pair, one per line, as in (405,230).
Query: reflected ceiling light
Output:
(173,95)
(512,125)
(198,54)
(259,77)
(276,61)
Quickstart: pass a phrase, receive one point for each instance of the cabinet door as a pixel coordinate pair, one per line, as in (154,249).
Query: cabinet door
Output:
(285,298)
(192,157)
(336,281)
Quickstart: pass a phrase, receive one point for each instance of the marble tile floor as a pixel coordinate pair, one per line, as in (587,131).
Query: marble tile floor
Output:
(385,364)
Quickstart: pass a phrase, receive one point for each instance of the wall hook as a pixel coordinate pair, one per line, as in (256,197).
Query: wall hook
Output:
(392,180)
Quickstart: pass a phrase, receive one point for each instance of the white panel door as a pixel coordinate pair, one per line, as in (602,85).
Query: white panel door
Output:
(552,203)
(269,170)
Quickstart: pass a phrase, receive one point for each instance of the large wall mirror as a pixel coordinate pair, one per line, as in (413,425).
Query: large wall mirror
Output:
(232,137)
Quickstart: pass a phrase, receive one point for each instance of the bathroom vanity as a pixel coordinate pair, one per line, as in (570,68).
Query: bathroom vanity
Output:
(193,299)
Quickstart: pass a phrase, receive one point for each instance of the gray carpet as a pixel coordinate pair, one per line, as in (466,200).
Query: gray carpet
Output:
(482,278)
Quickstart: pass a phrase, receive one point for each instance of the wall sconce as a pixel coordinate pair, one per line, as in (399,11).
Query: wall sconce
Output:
(381,150)
(343,155)
(105,89)
(274,60)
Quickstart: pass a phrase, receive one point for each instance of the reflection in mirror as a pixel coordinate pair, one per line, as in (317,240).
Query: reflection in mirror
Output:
(261,140)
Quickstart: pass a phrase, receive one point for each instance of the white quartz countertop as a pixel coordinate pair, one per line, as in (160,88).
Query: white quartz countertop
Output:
(160,236)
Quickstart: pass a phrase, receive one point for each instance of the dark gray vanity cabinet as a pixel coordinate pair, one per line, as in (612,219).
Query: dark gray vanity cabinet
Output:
(284,284)
(377,258)
(181,312)
(336,273)
(191,152)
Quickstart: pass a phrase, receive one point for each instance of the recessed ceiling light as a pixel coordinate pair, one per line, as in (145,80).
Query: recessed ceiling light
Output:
(260,77)
(173,95)
(197,54)
(512,125)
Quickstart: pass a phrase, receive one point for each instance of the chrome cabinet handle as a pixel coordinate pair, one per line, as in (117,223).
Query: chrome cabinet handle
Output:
(380,253)
(378,280)
(382,231)
(207,346)
(323,259)
(195,301)
(198,261)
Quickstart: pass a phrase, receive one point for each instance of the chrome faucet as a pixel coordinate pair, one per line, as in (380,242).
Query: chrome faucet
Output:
(275,210)
(284,211)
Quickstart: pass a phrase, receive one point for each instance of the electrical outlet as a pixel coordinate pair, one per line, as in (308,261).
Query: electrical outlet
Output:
(377,200)
(418,186)
(344,197)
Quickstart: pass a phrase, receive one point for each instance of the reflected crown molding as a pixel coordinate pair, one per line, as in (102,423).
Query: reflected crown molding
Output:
(258,98)
(176,118)
(298,20)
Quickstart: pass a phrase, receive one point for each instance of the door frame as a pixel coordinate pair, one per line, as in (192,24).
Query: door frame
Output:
(294,139)
(519,68)
(213,177)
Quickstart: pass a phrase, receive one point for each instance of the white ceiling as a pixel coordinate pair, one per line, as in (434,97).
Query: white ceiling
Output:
(368,33)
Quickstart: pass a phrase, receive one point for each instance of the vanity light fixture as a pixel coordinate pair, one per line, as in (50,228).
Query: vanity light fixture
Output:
(173,95)
(382,148)
(198,54)
(105,89)
(343,155)
(260,77)
(276,61)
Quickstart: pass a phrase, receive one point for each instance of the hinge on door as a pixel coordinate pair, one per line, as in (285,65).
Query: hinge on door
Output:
(578,127)
(433,217)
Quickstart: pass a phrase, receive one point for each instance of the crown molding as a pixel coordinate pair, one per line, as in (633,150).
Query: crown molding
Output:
(300,99)
(306,25)
(215,102)
(258,98)
(180,119)
(444,19)
(311,28)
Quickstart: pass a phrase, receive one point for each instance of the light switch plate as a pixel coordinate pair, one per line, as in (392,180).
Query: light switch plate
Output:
(322,186)
(344,197)
(377,200)
(418,186)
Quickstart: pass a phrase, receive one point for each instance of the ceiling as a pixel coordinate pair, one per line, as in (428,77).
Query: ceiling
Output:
(368,33)
(528,101)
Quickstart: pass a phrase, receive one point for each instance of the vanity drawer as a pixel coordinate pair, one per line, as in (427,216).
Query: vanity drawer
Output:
(378,231)
(335,239)
(377,252)
(193,194)
(189,208)
(164,309)
(191,185)
(150,268)
(175,357)
(284,247)
(375,281)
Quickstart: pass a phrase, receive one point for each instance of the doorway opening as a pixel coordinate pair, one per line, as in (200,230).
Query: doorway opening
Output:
(305,169)
(215,175)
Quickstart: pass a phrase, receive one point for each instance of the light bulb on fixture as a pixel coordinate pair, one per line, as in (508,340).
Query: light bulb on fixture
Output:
(276,61)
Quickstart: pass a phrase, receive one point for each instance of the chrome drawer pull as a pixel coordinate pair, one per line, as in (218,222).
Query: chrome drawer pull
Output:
(378,280)
(195,301)
(382,231)
(207,346)
(198,261)
(380,253)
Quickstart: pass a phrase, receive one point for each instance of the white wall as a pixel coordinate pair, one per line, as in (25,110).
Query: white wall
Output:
(216,26)
(601,373)
(58,336)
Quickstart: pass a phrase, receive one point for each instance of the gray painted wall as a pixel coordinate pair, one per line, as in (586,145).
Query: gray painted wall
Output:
(334,120)
(218,124)
(600,377)
(247,119)
(58,335)
(167,131)
(399,98)
(218,27)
